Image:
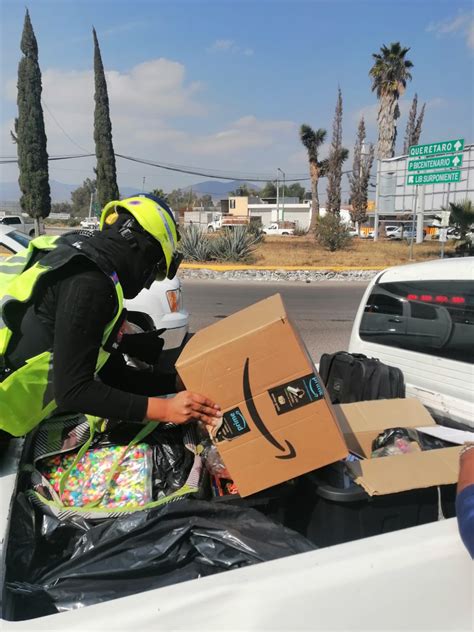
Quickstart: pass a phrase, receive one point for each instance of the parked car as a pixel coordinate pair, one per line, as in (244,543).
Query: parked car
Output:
(163,302)
(90,223)
(18,222)
(278,230)
(420,318)
(390,230)
(404,233)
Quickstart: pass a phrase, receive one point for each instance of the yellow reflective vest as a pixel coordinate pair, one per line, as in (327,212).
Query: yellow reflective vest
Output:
(27,393)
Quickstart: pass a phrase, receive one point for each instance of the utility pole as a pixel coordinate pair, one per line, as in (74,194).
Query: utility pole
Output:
(143,184)
(377,201)
(90,204)
(283,206)
(278,199)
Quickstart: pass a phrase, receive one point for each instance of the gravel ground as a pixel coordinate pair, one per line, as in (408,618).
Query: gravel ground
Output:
(305,276)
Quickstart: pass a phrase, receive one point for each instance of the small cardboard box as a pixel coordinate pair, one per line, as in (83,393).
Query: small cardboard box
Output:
(361,422)
(278,422)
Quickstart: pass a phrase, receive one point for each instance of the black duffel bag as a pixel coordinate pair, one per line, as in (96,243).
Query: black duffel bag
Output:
(353,377)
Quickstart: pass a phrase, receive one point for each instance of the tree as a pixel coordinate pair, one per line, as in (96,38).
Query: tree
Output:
(390,74)
(462,216)
(30,135)
(245,190)
(337,155)
(178,198)
(313,140)
(359,178)
(61,207)
(413,130)
(206,201)
(81,198)
(292,190)
(269,190)
(159,193)
(107,188)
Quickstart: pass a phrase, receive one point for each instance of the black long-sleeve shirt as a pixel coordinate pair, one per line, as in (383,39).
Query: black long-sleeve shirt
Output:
(69,316)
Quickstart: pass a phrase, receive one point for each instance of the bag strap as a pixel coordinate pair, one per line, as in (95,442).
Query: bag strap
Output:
(93,422)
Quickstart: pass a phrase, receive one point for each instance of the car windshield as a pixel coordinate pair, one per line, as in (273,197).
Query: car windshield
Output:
(20,238)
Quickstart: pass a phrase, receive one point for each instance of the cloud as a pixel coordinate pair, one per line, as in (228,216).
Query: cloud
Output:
(462,23)
(229,46)
(157,113)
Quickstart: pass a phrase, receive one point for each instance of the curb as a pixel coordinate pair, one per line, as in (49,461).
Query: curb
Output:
(222,267)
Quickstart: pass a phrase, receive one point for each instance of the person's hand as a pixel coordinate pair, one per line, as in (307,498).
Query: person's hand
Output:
(184,407)
(187,406)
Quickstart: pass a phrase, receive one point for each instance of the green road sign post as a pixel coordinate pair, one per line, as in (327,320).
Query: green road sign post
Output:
(443,162)
(436,177)
(434,149)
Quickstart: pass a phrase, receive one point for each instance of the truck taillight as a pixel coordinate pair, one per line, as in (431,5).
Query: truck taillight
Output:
(174,300)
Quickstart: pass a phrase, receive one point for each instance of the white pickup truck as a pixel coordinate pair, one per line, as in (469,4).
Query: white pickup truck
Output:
(277,229)
(18,222)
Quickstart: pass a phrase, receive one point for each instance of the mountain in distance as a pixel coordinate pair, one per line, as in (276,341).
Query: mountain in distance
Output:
(218,189)
(61,192)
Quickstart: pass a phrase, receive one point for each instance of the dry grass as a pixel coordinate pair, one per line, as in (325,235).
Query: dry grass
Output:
(305,251)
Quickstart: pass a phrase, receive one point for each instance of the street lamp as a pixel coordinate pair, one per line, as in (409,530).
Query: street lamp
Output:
(283,208)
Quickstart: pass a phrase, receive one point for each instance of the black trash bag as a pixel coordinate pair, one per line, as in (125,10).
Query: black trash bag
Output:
(53,566)
(388,438)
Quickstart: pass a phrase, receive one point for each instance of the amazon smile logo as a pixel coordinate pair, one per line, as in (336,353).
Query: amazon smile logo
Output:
(288,450)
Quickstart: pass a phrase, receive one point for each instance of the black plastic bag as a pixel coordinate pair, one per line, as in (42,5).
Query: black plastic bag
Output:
(53,566)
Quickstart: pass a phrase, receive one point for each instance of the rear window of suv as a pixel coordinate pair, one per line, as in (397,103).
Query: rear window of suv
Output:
(432,317)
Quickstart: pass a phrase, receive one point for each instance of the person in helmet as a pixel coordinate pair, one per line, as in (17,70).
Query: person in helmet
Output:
(62,323)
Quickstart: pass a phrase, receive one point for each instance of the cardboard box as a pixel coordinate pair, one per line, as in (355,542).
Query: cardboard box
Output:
(361,422)
(278,421)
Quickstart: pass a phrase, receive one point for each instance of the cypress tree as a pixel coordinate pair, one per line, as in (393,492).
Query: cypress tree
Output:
(413,130)
(337,155)
(30,134)
(107,188)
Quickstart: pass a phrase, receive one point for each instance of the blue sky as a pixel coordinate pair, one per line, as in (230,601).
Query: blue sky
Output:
(225,84)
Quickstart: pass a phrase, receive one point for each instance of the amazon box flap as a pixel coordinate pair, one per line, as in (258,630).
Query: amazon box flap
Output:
(278,421)
(360,424)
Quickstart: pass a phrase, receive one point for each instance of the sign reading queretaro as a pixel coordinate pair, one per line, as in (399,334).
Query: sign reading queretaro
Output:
(436,177)
(442,162)
(433,149)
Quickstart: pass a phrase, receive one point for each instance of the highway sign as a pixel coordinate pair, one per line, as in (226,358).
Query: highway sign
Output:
(434,149)
(443,162)
(437,177)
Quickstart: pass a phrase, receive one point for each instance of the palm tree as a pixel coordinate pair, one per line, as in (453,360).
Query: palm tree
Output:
(462,216)
(390,74)
(313,140)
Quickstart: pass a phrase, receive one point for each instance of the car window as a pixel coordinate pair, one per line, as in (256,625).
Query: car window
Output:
(8,221)
(438,318)
(384,304)
(20,238)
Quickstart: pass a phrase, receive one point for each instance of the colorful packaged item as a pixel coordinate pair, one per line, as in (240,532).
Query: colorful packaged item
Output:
(108,476)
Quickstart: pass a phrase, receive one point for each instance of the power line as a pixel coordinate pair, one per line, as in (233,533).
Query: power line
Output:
(195,171)
(62,128)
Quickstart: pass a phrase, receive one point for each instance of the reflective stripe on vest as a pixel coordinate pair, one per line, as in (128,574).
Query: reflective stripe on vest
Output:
(27,394)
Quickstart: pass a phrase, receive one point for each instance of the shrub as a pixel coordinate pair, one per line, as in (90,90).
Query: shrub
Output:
(331,234)
(195,244)
(299,231)
(235,245)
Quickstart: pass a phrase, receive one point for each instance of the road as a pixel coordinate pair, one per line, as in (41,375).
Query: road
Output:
(323,313)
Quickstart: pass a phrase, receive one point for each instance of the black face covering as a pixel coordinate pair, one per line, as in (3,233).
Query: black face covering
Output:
(134,259)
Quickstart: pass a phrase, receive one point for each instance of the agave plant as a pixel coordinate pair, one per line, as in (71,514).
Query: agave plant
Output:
(195,244)
(235,245)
